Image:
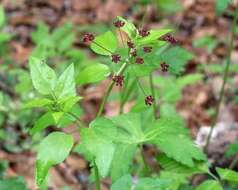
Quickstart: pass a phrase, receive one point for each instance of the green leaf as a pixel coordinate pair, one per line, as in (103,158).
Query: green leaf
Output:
(221,5)
(4,37)
(97,144)
(65,85)
(232,149)
(177,58)
(153,37)
(38,103)
(227,174)
(152,183)
(93,73)
(122,159)
(43,122)
(106,44)
(52,150)
(170,135)
(68,102)
(175,167)
(209,185)
(13,183)
(41,35)
(123,183)
(2,17)
(129,28)
(43,77)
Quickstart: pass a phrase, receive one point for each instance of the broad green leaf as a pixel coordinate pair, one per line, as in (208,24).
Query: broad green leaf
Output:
(209,185)
(129,28)
(122,160)
(38,103)
(170,135)
(227,174)
(188,79)
(106,44)
(57,116)
(176,58)
(13,183)
(93,73)
(152,183)
(153,37)
(2,16)
(123,183)
(43,122)
(65,85)
(221,5)
(97,144)
(53,150)
(175,167)
(43,77)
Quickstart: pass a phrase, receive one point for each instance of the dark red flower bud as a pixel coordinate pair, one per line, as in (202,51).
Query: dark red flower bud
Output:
(118,79)
(164,67)
(119,23)
(139,60)
(88,38)
(116,58)
(149,100)
(143,32)
(130,44)
(133,53)
(169,38)
(147,49)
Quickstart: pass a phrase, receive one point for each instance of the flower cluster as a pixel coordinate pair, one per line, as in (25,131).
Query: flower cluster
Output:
(118,79)
(169,38)
(88,38)
(144,32)
(149,100)
(119,23)
(164,67)
(116,58)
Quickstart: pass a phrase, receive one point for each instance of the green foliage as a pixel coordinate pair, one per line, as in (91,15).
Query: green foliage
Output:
(169,6)
(228,175)
(129,28)
(93,73)
(207,41)
(125,183)
(53,150)
(13,183)
(107,44)
(221,5)
(2,17)
(232,149)
(177,58)
(209,185)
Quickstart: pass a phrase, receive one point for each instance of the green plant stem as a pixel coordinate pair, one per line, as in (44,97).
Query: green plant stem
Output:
(109,89)
(225,76)
(153,94)
(97,177)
